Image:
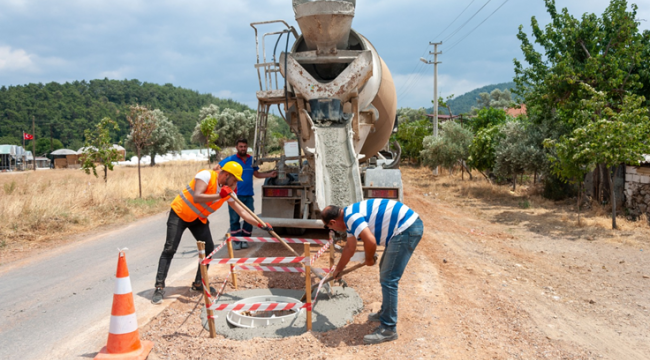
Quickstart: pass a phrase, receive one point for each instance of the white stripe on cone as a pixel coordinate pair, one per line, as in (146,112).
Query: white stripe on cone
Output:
(122,286)
(123,324)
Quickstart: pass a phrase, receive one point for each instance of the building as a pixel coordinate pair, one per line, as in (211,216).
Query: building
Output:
(515,112)
(41,162)
(65,159)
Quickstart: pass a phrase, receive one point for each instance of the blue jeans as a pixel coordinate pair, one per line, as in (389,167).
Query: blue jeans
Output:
(236,228)
(391,267)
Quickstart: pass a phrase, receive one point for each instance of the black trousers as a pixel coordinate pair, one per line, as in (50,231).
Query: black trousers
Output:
(175,228)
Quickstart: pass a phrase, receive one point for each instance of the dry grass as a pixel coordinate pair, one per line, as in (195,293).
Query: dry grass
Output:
(478,193)
(39,207)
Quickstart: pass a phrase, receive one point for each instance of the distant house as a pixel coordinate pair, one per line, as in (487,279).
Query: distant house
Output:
(65,159)
(515,112)
(41,162)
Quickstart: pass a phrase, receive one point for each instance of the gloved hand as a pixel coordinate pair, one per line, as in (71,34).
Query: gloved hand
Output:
(266,227)
(225,191)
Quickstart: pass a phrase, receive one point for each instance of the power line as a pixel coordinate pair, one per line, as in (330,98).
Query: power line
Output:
(466,22)
(416,79)
(477,26)
(412,74)
(461,13)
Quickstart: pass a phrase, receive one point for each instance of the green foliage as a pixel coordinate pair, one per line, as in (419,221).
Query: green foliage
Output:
(10,140)
(165,138)
(448,149)
(482,151)
(43,146)
(413,126)
(225,128)
(10,187)
(486,118)
(75,107)
(515,151)
(278,132)
(99,148)
(496,99)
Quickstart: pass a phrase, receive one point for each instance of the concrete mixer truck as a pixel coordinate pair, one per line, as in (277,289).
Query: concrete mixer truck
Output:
(337,95)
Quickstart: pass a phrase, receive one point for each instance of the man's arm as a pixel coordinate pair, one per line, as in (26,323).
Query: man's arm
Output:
(369,247)
(267,174)
(200,196)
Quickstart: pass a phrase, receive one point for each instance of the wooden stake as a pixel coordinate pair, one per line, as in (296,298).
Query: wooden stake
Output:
(308,285)
(231,253)
(206,288)
(331,251)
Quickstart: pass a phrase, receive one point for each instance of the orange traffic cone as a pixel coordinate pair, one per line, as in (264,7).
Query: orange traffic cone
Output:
(123,336)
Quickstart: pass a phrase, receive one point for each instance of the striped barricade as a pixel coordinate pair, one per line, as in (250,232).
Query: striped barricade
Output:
(274,240)
(264,260)
(290,269)
(258,307)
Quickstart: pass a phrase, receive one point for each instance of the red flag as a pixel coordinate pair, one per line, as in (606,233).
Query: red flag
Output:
(28,136)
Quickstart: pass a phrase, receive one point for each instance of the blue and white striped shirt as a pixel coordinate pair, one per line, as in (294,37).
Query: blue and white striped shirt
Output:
(385,218)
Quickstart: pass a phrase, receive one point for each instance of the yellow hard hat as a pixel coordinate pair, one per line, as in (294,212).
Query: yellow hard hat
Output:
(233,168)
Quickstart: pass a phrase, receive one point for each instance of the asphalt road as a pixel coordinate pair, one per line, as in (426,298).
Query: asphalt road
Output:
(57,304)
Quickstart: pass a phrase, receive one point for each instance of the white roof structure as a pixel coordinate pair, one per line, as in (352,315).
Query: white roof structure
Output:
(118,147)
(64,152)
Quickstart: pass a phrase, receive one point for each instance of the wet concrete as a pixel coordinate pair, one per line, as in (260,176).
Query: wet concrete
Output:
(328,314)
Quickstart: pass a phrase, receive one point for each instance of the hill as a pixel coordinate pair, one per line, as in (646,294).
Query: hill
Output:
(71,108)
(463,104)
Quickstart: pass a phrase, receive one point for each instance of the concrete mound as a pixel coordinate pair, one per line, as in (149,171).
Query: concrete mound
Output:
(328,314)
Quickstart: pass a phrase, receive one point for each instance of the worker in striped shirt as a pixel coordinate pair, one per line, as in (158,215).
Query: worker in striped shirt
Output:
(378,222)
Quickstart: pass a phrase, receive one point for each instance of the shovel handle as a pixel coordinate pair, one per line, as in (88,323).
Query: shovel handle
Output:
(262,222)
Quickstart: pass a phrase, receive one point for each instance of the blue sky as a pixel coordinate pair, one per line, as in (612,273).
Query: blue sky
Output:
(209,46)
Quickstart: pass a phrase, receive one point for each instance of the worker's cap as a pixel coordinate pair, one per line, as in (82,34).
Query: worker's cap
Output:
(233,168)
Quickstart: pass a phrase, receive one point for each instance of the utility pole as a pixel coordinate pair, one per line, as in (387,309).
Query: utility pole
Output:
(34,142)
(435,63)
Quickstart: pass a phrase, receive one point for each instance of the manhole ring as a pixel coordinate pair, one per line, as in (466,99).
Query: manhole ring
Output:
(249,320)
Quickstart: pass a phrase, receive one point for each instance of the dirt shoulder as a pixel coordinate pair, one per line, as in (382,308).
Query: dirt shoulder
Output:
(487,281)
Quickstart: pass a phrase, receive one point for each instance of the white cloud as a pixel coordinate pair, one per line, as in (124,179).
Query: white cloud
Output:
(18,59)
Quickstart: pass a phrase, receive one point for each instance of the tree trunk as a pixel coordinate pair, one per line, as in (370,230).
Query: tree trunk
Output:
(153,159)
(139,177)
(535,177)
(207,148)
(514,182)
(613,197)
(486,177)
(462,171)
(579,200)
(467,169)
(105,174)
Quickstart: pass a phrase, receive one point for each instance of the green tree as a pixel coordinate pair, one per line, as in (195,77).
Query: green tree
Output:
(143,125)
(225,128)
(482,151)
(515,151)
(164,139)
(43,146)
(449,149)
(487,117)
(497,99)
(610,136)
(99,150)
(410,136)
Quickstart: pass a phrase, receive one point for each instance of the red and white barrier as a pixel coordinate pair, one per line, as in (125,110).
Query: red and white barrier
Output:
(320,252)
(257,307)
(264,260)
(274,240)
(290,269)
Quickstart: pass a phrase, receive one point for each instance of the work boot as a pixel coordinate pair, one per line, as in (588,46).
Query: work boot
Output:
(374,317)
(199,287)
(157,297)
(236,245)
(380,335)
(244,244)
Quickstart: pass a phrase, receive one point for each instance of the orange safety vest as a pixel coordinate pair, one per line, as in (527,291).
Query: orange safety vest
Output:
(187,209)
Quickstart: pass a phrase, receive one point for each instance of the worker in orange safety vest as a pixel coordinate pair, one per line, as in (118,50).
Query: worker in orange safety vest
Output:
(190,210)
